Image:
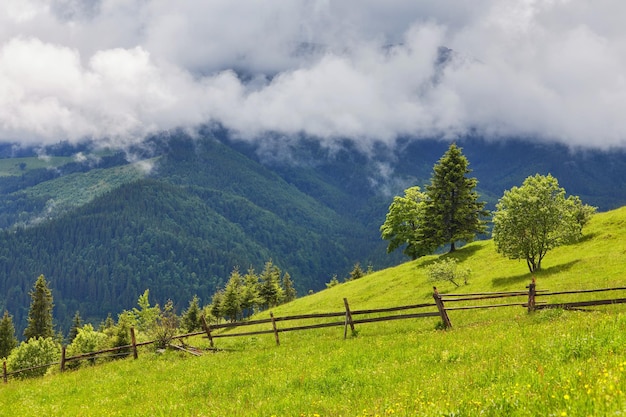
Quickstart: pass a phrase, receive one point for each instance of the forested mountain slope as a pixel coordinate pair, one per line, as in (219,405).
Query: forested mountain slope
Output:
(102,230)
(204,210)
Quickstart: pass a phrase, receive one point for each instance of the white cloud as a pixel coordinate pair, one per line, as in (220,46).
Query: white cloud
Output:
(116,70)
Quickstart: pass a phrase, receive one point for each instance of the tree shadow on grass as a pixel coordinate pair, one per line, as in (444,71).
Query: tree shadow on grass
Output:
(527,277)
(460,255)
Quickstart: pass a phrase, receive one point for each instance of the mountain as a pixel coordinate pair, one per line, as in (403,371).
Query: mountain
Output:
(187,211)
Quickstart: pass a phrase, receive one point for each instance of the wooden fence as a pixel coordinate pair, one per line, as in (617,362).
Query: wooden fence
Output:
(439,308)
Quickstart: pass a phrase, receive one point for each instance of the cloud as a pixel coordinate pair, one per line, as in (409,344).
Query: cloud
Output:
(369,71)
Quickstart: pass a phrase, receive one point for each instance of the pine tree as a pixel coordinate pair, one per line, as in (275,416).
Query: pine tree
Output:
(8,341)
(357,272)
(192,317)
(453,212)
(231,303)
(288,288)
(77,323)
(269,290)
(40,313)
(250,294)
(216,305)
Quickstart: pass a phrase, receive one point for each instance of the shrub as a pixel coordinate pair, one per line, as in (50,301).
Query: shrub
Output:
(87,340)
(448,270)
(36,352)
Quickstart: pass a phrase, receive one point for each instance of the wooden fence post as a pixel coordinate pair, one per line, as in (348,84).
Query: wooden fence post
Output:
(63,358)
(4,372)
(532,291)
(133,340)
(348,320)
(442,310)
(207,329)
(275,329)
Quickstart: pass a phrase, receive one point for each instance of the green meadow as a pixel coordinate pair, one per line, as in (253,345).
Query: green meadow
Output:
(18,166)
(493,362)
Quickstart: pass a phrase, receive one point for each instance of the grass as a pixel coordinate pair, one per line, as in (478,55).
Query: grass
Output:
(493,363)
(17,166)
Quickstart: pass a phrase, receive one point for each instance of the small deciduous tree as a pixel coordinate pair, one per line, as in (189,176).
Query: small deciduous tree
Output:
(40,313)
(533,219)
(166,326)
(8,341)
(146,315)
(448,270)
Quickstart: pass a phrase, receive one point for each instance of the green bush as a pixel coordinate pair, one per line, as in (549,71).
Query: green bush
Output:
(34,353)
(87,340)
(448,270)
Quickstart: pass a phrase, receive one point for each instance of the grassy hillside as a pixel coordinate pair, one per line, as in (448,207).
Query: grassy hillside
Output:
(493,363)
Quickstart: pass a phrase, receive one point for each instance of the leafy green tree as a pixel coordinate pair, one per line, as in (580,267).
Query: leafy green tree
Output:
(40,313)
(119,334)
(231,303)
(8,341)
(36,352)
(453,212)
(146,315)
(404,224)
(447,270)
(270,291)
(191,318)
(289,290)
(533,219)
(77,323)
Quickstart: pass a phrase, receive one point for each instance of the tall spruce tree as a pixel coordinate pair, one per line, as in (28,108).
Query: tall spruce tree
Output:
(289,291)
(231,303)
(270,290)
(77,323)
(453,212)
(250,294)
(40,313)
(8,341)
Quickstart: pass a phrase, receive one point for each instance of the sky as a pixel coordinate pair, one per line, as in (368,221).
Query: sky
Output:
(370,71)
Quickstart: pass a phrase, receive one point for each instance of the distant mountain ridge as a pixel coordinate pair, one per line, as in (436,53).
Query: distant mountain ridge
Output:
(209,204)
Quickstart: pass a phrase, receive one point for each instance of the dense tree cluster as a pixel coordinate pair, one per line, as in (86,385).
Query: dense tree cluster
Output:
(447,212)
(249,293)
(242,296)
(529,221)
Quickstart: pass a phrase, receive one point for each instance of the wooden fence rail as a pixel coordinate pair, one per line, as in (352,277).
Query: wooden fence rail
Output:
(350,319)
